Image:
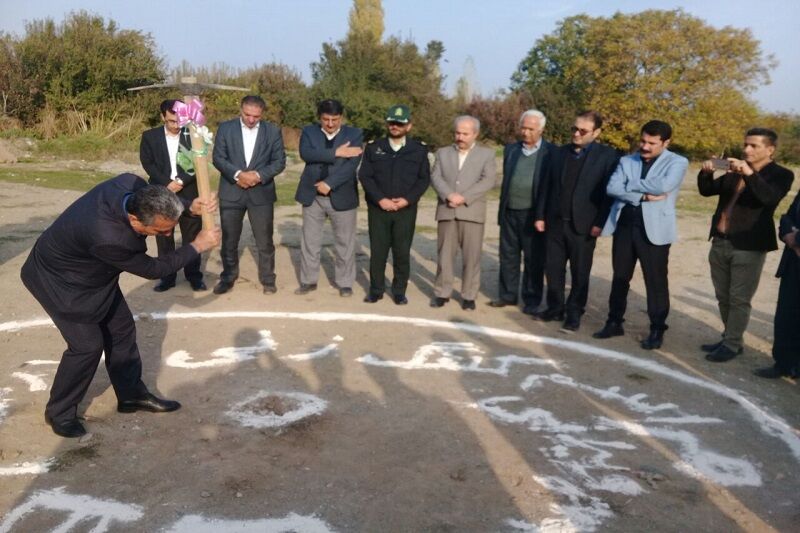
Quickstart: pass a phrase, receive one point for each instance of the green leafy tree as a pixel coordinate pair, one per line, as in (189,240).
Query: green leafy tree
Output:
(652,64)
(85,61)
(369,76)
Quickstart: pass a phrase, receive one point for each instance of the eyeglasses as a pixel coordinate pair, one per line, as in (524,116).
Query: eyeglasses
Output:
(582,131)
(397,124)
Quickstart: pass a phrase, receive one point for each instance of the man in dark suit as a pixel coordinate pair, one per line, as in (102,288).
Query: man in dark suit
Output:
(573,207)
(248,152)
(786,343)
(158,151)
(395,173)
(524,162)
(328,188)
(742,232)
(73,271)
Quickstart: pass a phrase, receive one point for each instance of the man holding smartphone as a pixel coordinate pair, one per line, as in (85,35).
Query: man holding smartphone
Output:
(742,231)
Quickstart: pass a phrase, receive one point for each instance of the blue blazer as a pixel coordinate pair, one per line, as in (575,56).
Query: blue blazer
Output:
(341,172)
(626,187)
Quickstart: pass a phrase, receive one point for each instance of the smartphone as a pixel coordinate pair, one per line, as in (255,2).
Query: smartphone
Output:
(721,164)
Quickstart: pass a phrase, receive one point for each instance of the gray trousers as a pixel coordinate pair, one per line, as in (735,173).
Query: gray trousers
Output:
(735,275)
(343,224)
(454,235)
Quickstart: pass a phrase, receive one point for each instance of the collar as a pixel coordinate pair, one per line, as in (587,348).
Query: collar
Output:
(530,150)
(398,145)
(169,135)
(254,128)
(330,136)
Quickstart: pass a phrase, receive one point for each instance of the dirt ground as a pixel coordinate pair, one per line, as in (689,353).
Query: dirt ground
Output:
(320,413)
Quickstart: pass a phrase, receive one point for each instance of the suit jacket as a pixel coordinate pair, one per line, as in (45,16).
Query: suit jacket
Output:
(268,159)
(751,226)
(590,203)
(74,267)
(341,170)
(476,177)
(154,156)
(511,154)
(788,223)
(626,188)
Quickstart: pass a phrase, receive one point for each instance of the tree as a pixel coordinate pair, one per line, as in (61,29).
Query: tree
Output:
(369,76)
(654,64)
(366,21)
(85,61)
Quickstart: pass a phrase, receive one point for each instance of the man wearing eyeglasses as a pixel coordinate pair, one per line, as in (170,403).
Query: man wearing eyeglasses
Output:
(645,189)
(158,153)
(524,162)
(573,206)
(395,172)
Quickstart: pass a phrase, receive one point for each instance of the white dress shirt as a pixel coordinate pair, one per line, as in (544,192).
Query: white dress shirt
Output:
(173,142)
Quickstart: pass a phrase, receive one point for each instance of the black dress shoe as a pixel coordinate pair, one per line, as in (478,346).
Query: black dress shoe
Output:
(710,347)
(571,324)
(198,286)
(654,340)
(345,292)
(611,329)
(529,310)
(163,286)
(468,305)
(773,372)
(70,429)
(439,302)
(305,288)
(722,354)
(372,298)
(222,287)
(400,299)
(148,402)
(501,303)
(270,289)
(549,315)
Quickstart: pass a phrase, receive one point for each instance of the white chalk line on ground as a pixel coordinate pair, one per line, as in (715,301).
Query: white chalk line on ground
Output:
(769,423)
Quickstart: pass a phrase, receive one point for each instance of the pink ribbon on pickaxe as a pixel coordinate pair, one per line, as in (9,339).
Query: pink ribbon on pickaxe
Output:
(191,112)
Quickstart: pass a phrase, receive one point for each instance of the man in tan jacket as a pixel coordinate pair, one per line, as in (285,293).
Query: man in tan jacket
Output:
(462,175)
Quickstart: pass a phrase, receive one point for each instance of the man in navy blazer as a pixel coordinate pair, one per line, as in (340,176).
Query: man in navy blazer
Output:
(645,188)
(158,151)
(248,152)
(73,271)
(328,188)
(573,207)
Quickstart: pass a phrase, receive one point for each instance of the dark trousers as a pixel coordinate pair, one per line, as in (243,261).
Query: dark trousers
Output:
(190,227)
(116,336)
(631,244)
(565,244)
(231,219)
(786,346)
(390,230)
(520,241)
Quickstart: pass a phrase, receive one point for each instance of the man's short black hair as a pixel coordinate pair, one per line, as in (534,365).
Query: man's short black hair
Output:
(658,128)
(149,202)
(594,116)
(253,99)
(167,105)
(330,107)
(770,137)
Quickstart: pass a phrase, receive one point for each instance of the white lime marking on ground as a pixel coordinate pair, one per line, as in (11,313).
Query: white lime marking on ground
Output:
(291,523)
(304,405)
(5,391)
(329,349)
(79,508)
(26,468)
(224,356)
(39,362)
(34,381)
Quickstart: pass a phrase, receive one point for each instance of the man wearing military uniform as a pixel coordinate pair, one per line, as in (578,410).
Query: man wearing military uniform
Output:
(395,172)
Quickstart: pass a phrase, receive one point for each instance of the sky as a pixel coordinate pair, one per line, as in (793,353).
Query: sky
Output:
(492,35)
